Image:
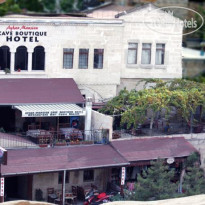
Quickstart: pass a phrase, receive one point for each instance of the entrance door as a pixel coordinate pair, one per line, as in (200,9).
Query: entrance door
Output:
(18,187)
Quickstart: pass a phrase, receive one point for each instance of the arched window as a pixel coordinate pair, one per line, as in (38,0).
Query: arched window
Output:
(21,58)
(38,58)
(4,57)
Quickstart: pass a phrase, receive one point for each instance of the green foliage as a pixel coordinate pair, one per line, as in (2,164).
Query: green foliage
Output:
(67,6)
(156,183)
(49,6)
(9,6)
(192,159)
(184,95)
(194,181)
(31,5)
(200,78)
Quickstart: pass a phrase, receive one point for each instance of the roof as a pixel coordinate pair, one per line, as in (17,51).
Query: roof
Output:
(39,91)
(138,8)
(109,11)
(192,54)
(25,161)
(153,148)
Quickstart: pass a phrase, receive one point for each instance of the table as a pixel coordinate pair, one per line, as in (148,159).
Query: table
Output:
(39,136)
(70,197)
(72,133)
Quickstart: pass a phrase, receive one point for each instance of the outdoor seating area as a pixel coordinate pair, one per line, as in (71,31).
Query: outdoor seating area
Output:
(61,134)
(76,194)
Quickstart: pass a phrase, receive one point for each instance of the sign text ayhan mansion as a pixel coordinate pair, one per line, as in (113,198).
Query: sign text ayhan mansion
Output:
(25,33)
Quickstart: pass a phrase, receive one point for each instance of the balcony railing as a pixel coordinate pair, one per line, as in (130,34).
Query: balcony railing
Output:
(43,138)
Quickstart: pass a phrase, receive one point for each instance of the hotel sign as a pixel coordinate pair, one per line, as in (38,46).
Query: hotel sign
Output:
(22,33)
(53,113)
(2,186)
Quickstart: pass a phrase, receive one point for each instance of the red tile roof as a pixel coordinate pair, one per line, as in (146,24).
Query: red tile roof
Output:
(153,148)
(36,91)
(62,158)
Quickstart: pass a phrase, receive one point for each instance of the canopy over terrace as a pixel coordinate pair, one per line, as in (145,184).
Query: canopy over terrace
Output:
(37,98)
(50,110)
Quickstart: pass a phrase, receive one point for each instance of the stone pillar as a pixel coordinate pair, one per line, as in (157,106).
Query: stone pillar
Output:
(88,109)
(30,52)
(12,61)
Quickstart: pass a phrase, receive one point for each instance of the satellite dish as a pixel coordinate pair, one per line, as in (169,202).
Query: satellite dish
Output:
(170,160)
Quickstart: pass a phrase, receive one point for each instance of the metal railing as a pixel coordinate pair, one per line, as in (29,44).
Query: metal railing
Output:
(53,138)
(159,130)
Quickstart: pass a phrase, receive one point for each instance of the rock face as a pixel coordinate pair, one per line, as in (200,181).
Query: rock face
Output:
(191,200)
(25,203)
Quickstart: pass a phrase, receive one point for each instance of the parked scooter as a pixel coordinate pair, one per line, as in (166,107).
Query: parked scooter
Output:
(94,197)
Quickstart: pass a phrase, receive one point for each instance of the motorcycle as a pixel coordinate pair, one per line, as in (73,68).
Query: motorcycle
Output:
(94,197)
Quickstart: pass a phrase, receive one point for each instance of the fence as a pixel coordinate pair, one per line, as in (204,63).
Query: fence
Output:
(43,138)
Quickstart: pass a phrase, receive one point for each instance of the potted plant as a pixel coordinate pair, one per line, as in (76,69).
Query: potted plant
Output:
(87,142)
(60,143)
(77,142)
(7,70)
(42,143)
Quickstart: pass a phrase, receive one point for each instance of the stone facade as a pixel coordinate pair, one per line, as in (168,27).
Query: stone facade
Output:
(112,35)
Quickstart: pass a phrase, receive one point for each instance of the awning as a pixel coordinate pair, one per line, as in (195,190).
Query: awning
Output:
(28,161)
(50,110)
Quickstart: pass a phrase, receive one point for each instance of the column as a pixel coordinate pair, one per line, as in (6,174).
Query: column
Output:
(30,52)
(90,57)
(88,109)
(63,188)
(12,61)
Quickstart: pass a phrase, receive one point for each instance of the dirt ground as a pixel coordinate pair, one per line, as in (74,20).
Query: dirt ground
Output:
(191,200)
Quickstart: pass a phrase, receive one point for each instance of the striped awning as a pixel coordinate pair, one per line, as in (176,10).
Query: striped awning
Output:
(50,110)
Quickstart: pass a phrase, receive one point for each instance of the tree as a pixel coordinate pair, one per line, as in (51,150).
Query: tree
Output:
(186,96)
(48,6)
(9,6)
(194,180)
(155,184)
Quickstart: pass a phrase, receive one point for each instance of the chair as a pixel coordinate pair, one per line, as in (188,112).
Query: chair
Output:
(80,193)
(74,190)
(51,196)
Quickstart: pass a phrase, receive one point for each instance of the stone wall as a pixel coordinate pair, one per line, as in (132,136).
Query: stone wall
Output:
(101,121)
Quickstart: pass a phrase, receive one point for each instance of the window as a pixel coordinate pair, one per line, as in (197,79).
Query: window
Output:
(98,58)
(38,58)
(146,53)
(21,58)
(160,51)
(60,177)
(88,175)
(83,58)
(132,53)
(68,57)
(4,57)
